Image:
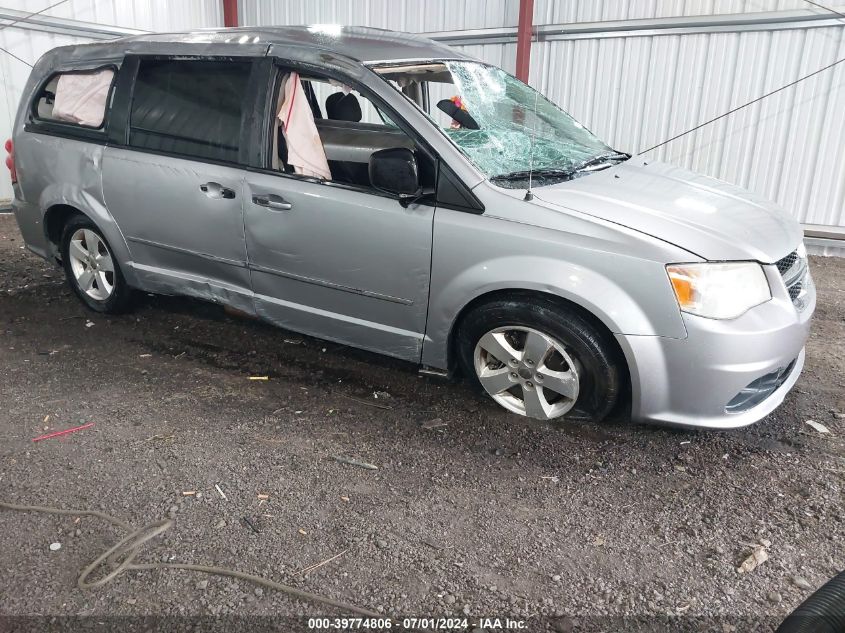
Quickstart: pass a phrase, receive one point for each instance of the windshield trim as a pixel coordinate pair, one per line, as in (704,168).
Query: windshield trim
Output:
(387,63)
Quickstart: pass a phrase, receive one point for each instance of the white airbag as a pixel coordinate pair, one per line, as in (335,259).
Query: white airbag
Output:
(305,149)
(81,97)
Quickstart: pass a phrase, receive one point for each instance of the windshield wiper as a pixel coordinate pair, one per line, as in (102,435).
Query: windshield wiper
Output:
(542,173)
(598,160)
(562,173)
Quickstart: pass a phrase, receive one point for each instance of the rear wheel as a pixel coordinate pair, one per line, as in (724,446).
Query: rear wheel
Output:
(539,359)
(91,269)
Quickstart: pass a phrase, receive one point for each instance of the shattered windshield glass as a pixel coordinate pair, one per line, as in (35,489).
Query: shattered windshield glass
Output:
(492,117)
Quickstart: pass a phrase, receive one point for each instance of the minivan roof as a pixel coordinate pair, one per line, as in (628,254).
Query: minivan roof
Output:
(358,43)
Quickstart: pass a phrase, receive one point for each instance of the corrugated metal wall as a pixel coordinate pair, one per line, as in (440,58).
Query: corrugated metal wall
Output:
(145,15)
(634,91)
(637,91)
(29,45)
(560,11)
(445,15)
(400,15)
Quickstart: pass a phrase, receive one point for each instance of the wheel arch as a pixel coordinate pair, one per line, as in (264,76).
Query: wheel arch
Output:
(56,218)
(621,295)
(528,295)
(59,209)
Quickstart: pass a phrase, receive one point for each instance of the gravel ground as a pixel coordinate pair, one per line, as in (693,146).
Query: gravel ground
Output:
(471,510)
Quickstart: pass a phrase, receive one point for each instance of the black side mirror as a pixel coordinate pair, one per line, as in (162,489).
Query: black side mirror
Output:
(395,171)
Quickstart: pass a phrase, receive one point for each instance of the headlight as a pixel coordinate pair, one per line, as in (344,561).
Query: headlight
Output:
(802,251)
(719,291)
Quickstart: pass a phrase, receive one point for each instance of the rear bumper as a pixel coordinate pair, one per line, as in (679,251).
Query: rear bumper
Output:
(725,374)
(28,217)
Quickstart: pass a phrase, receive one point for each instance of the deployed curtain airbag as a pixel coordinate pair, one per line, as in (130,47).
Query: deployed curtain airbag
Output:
(81,97)
(305,149)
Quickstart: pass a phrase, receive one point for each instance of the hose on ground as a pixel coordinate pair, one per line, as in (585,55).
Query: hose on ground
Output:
(120,556)
(822,612)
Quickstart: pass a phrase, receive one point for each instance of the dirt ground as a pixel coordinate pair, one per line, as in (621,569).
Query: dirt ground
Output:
(566,527)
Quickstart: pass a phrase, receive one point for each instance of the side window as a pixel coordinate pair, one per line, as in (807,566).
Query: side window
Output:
(340,102)
(78,98)
(189,108)
(323,128)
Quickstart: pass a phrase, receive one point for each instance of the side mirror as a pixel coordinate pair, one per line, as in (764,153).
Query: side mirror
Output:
(395,171)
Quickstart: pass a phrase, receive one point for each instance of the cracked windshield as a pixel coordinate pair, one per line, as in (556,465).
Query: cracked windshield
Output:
(495,119)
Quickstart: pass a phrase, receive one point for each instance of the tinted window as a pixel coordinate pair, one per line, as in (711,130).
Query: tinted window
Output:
(192,108)
(79,98)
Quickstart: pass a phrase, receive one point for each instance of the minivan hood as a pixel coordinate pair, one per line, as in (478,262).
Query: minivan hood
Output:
(710,218)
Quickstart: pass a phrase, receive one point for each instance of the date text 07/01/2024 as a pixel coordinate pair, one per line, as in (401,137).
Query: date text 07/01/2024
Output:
(409,623)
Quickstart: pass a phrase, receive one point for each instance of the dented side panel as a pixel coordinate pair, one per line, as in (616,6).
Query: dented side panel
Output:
(181,238)
(340,264)
(60,171)
(55,170)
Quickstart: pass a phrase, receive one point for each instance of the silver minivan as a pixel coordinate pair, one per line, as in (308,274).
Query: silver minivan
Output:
(390,193)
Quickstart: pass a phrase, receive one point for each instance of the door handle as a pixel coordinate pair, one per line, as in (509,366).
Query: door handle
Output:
(215,190)
(272,201)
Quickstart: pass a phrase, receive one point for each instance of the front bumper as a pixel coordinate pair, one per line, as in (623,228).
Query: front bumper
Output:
(708,379)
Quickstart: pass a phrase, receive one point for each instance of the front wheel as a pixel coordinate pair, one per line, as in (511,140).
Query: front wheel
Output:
(539,359)
(91,269)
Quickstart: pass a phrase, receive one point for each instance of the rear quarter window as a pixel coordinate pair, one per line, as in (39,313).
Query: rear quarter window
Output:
(77,98)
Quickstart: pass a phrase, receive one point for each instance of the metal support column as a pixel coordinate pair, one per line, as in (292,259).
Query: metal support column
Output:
(523,39)
(230,12)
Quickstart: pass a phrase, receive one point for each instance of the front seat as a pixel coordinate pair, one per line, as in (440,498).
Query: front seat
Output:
(343,107)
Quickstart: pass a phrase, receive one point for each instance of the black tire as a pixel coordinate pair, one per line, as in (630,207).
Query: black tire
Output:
(600,370)
(120,298)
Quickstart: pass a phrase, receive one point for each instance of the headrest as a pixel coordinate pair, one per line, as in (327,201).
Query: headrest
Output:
(343,107)
(457,112)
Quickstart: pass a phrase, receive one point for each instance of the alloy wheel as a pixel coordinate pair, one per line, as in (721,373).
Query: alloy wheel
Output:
(92,264)
(527,372)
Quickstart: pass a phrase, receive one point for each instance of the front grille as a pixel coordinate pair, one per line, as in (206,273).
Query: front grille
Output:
(787,262)
(793,269)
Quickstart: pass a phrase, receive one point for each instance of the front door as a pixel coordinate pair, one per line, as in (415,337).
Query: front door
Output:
(339,263)
(176,188)
(331,256)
